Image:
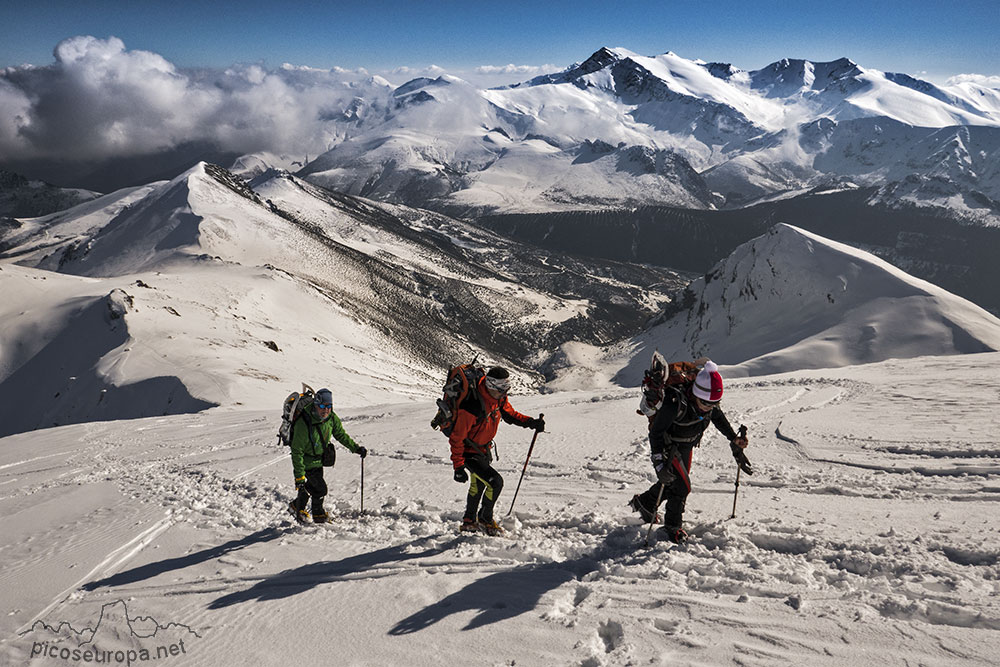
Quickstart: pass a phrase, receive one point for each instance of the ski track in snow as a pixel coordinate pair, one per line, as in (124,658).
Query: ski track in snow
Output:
(815,566)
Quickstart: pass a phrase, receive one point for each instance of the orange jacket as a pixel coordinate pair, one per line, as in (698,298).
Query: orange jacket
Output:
(474,430)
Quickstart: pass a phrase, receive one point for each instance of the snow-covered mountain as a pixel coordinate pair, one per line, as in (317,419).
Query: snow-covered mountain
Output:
(621,129)
(21,197)
(147,337)
(445,144)
(953,254)
(791,299)
(617,129)
(199,302)
(297,282)
(870,506)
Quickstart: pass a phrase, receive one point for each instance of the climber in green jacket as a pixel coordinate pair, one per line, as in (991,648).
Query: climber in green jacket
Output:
(311,450)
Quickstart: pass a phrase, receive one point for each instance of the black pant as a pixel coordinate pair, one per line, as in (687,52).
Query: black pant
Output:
(671,467)
(486,481)
(315,488)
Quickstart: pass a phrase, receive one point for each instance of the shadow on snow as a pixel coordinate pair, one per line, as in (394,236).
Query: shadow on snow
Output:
(301,579)
(151,570)
(509,593)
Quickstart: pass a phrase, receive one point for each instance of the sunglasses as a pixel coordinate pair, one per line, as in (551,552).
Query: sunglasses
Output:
(710,404)
(324,406)
(498,384)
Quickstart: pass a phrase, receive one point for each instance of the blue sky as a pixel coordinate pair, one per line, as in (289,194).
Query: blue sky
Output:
(930,39)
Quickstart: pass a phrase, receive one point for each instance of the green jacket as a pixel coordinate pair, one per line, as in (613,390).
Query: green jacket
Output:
(310,436)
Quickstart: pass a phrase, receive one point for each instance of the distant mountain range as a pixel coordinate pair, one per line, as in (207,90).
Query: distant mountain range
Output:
(619,130)
(622,130)
(557,226)
(24,198)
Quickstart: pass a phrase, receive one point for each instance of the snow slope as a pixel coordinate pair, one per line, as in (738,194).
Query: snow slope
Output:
(790,299)
(867,530)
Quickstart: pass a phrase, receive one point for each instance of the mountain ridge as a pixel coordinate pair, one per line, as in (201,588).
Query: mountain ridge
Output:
(810,121)
(790,299)
(292,280)
(446,145)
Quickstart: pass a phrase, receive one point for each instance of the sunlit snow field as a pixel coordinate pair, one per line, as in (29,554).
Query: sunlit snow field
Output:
(868,533)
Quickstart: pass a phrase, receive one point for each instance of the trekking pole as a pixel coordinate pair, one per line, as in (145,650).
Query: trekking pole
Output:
(652,522)
(739,469)
(524,469)
(362,485)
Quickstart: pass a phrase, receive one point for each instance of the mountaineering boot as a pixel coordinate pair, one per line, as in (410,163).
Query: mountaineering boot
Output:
(490,527)
(320,516)
(675,534)
(469,526)
(300,515)
(647,515)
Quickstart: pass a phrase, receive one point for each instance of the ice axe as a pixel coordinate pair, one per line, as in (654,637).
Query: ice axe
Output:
(524,469)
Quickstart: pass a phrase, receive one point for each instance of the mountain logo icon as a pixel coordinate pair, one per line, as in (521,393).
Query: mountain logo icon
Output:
(117,636)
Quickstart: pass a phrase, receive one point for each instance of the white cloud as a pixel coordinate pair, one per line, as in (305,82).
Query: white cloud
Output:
(485,76)
(980,79)
(520,70)
(100,100)
(430,71)
(15,114)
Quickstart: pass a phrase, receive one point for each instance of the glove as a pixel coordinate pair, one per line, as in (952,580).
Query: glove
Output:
(537,424)
(362,452)
(665,472)
(461,476)
(300,483)
(741,458)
